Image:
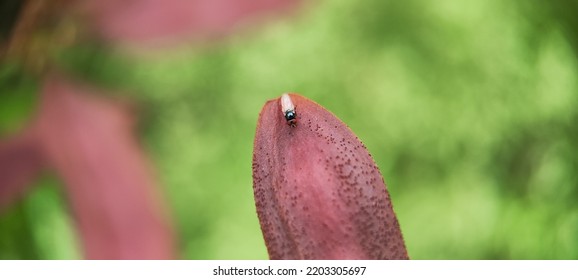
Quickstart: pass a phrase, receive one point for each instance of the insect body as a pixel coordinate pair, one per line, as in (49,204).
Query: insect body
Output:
(288,110)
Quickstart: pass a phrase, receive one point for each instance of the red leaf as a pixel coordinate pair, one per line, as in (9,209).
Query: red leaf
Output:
(21,160)
(154,21)
(318,192)
(114,198)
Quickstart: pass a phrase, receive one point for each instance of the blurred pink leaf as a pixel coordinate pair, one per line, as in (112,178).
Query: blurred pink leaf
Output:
(114,198)
(21,160)
(160,22)
(318,192)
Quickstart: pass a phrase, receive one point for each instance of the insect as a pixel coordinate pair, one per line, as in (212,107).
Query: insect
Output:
(288,110)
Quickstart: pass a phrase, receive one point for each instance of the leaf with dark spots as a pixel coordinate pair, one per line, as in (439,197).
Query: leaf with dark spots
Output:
(318,192)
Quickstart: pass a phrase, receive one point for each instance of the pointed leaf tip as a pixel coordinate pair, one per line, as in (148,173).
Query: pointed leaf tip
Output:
(318,192)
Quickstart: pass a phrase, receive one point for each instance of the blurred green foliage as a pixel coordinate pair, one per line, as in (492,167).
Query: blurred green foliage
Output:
(18,97)
(469,109)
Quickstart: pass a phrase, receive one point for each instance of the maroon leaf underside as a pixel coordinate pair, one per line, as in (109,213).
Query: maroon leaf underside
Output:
(318,192)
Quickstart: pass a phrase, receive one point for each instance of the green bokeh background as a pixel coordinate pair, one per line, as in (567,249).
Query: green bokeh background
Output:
(468,108)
